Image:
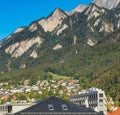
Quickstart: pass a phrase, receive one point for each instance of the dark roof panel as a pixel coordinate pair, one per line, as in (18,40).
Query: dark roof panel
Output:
(42,106)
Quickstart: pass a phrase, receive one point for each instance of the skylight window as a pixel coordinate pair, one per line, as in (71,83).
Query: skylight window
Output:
(50,107)
(64,107)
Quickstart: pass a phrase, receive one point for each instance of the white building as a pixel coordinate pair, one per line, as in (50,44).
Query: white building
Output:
(4,109)
(18,107)
(7,109)
(94,98)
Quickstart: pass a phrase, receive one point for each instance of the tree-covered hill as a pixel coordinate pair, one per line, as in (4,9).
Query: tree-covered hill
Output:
(97,66)
(83,45)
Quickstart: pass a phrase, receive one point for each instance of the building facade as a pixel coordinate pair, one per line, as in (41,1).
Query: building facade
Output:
(9,109)
(5,109)
(93,98)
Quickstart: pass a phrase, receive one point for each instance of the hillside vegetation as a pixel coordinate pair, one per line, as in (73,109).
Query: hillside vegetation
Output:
(97,66)
(84,46)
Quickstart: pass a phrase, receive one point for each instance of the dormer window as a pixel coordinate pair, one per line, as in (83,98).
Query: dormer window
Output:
(64,107)
(50,107)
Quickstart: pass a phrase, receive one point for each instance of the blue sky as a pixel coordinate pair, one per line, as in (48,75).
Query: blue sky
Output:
(17,13)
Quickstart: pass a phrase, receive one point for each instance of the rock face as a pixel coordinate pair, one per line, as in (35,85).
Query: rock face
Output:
(109,4)
(52,21)
(79,8)
(20,48)
(34,54)
(94,13)
(33,27)
(63,27)
(18,30)
(57,46)
(92,24)
(91,42)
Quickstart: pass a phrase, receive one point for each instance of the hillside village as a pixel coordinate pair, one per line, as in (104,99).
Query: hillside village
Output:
(67,89)
(63,88)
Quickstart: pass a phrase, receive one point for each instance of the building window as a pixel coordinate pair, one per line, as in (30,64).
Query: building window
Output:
(50,107)
(101,100)
(95,95)
(101,95)
(64,107)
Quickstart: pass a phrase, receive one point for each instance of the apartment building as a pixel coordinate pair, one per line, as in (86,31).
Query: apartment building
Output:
(93,98)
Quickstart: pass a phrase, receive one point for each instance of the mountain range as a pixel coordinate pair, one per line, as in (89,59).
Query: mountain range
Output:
(82,43)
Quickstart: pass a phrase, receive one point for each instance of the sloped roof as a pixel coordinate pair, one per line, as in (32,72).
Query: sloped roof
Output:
(116,112)
(42,106)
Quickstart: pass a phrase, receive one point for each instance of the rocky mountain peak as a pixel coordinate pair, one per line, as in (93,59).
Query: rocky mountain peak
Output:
(58,13)
(93,20)
(50,23)
(19,30)
(109,4)
(92,8)
(79,8)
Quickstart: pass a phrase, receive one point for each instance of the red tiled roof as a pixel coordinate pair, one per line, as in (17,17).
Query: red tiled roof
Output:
(116,112)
